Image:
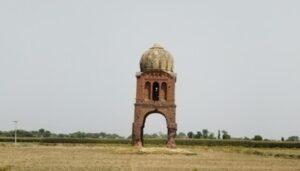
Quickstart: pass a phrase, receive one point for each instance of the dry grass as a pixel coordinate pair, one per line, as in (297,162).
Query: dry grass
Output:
(124,157)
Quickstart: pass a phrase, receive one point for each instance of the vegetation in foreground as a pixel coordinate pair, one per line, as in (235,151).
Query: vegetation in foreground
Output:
(32,156)
(161,142)
(200,138)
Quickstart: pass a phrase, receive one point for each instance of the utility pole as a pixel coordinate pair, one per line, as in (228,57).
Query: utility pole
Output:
(16,128)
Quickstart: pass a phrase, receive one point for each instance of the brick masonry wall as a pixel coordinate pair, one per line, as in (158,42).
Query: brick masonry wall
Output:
(144,105)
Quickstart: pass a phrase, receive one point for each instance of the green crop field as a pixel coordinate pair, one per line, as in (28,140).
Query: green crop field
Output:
(188,142)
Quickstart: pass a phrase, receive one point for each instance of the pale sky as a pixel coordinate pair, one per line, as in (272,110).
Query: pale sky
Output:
(70,66)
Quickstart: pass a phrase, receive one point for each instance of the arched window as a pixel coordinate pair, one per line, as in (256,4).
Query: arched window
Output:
(155,91)
(164,90)
(147,90)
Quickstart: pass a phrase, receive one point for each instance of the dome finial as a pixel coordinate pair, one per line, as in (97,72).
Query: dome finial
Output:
(157,45)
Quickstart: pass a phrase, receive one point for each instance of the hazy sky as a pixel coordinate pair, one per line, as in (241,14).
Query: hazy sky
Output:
(70,65)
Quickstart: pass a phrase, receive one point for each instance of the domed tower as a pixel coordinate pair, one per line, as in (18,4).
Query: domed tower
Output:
(155,93)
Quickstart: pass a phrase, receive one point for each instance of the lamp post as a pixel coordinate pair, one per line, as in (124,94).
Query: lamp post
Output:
(16,124)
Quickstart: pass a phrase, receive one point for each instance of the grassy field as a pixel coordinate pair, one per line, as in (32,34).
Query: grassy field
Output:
(33,156)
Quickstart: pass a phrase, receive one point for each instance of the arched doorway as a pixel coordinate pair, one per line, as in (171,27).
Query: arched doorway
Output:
(140,120)
(154,126)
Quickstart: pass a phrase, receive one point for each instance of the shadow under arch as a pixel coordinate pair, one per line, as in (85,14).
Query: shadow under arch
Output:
(145,118)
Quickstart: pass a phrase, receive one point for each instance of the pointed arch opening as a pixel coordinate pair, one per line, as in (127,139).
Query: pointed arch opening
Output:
(164,91)
(155,91)
(147,90)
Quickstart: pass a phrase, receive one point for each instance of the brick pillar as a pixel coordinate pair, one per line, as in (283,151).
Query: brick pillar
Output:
(172,128)
(137,134)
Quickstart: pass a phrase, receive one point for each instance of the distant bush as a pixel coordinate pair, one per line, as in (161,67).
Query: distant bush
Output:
(45,133)
(181,135)
(68,140)
(244,143)
(293,138)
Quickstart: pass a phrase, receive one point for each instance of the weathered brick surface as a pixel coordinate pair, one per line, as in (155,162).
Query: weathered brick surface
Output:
(145,105)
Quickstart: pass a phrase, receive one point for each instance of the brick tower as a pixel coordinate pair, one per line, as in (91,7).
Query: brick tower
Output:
(155,93)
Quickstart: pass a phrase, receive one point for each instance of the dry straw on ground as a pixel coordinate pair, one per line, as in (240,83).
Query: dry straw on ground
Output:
(124,157)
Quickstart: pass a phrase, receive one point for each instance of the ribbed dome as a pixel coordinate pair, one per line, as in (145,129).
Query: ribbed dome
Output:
(156,58)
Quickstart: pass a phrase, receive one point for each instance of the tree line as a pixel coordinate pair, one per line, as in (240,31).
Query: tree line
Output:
(46,133)
(223,134)
(203,134)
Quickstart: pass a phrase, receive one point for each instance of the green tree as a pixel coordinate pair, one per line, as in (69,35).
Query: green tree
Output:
(47,133)
(102,135)
(257,138)
(219,134)
(41,132)
(23,133)
(205,133)
(211,136)
(225,135)
(190,134)
(246,138)
(198,135)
